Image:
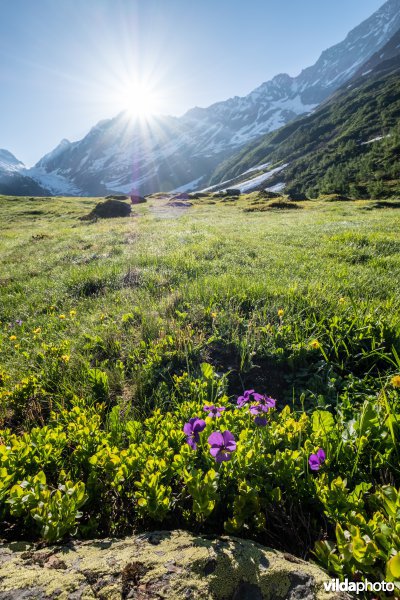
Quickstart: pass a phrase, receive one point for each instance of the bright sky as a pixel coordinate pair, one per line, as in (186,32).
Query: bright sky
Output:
(66,64)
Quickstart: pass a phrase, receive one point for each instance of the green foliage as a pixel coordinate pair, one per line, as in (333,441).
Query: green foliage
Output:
(55,511)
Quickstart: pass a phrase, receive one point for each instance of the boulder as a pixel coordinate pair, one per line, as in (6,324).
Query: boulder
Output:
(108,210)
(135,199)
(232,192)
(173,565)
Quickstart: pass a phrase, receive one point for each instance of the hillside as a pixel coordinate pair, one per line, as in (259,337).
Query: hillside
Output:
(350,145)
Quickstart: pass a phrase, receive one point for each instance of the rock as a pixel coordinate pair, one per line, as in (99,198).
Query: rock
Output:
(181,196)
(232,192)
(179,203)
(135,199)
(172,565)
(109,209)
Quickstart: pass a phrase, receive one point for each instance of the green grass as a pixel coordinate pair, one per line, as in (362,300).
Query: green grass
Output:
(172,273)
(123,314)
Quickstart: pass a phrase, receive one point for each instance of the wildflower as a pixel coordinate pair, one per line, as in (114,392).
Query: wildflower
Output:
(395,381)
(258,411)
(213,314)
(316,460)
(65,358)
(214,411)
(12,338)
(37,330)
(251,395)
(281,312)
(61,316)
(72,313)
(342,300)
(19,322)
(222,445)
(192,429)
(242,400)
(315,344)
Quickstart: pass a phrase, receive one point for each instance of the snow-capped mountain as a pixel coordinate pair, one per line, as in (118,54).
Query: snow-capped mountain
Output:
(120,155)
(14,178)
(9,163)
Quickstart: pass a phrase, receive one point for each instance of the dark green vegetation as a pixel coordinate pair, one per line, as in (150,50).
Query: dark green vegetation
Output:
(116,333)
(335,149)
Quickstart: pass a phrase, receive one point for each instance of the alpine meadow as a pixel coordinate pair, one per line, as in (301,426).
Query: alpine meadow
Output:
(200,343)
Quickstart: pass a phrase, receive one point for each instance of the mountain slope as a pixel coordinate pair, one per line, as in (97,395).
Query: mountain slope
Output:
(13,178)
(120,155)
(351,144)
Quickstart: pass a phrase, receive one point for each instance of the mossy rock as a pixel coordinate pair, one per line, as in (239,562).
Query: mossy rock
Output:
(171,565)
(109,209)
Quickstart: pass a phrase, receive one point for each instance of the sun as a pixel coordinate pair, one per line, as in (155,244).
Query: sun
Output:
(139,101)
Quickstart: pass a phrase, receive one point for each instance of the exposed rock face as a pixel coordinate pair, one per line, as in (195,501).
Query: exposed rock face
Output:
(171,565)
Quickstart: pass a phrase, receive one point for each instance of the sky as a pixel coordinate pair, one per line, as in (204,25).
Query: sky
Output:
(67,64)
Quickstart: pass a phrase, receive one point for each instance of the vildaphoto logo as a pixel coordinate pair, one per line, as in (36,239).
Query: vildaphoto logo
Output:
(335,585)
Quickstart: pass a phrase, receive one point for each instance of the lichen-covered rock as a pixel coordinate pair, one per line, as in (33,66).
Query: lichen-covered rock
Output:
(173,565)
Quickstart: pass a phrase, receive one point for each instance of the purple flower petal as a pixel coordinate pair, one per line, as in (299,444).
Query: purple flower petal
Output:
(191,442)
(321,455)
(260,421)
(314,462)
(229,441)
(216,439)
(187,428)
(215,450)
(199,425)
(223,456)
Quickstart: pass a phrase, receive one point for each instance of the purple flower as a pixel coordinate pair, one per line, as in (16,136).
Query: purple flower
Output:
(214,411)
(222,445)
(251,395)
(242,400)
(257,411)
(192,431)
(316,460)
(267,402)
(19,322)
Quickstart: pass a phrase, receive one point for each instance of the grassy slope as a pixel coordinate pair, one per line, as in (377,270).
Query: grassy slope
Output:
(216,258)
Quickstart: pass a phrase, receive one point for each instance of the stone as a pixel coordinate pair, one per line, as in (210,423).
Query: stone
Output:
(165,564)
(109,209)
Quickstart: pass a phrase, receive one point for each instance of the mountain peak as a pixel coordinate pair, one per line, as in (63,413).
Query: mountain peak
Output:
(8,162)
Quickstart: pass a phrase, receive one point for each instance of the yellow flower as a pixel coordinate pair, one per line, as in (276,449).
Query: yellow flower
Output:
(281,312)
(12,338)
(315,344)
(37,330)
(213,314)
(65,358)
(342,300)
(72,313)
(61,316)
(395,381)
(16,346)
(102,317)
